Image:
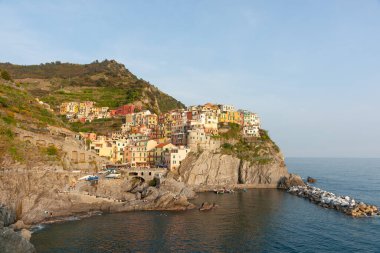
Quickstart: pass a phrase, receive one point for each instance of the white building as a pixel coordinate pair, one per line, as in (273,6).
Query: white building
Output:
(227,108)
(251,131)
(119,152)
(174,157)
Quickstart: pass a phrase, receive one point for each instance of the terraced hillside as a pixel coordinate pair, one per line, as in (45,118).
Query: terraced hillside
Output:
(108,83)
(32,136)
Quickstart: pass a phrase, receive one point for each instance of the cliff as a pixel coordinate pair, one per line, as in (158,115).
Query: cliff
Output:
(11,241)
(38,196)
(256,162)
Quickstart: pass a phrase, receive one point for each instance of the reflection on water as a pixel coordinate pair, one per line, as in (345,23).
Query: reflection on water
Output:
(258,220)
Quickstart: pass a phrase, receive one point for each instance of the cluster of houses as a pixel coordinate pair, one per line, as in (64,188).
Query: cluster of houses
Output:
(150,140)
(87,111)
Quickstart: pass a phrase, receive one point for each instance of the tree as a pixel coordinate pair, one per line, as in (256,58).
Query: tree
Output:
(5,75)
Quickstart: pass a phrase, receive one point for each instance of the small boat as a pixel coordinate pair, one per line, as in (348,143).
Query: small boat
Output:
(85,177)
(92,178)
(113,176)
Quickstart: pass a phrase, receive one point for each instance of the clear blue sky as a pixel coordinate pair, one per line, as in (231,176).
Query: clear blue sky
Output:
(311,69)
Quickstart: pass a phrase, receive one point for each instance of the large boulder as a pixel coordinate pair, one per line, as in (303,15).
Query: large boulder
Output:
(26,234)
(7,216)
(178,188)
(291,180)
(19,225)
(150,193)
(12,242)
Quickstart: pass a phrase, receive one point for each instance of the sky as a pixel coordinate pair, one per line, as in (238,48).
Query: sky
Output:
(310,69)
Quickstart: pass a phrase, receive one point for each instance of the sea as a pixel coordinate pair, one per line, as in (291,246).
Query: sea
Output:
(258,220)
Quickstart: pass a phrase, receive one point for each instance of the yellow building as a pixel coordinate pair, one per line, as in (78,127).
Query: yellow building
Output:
(138,154)
(230,117)
(63,108)
(151,120)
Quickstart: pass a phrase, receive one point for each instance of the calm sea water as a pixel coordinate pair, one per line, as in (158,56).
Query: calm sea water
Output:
(254,221)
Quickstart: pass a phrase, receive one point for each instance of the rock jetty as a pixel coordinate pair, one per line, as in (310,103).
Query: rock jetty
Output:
(344,204)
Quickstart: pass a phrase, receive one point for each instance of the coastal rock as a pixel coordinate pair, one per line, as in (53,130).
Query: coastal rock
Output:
(209,169)
(311,180)
(291,180)
(344,204)
(12,242)
(215,169)
(178,188)
(19,225)
(170,201)
(207,206)
(7,215)
(262,174)
(150,193)
(26,234)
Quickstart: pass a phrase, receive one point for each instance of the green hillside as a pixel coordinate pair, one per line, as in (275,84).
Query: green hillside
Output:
(108,83)
(18,109)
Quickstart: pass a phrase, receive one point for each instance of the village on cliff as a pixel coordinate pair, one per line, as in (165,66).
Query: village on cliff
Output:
(148,140)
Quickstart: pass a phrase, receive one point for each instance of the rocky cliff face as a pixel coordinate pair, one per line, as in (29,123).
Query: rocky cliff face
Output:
(239,162)
(42,195)
(210,169)
(10,241)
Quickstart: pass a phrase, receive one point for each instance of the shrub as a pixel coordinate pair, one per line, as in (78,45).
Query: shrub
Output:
(5,75)
(6,132)
(9,119)
(15,153)
(227,146)
(153,182)
(52,151)
(3,102)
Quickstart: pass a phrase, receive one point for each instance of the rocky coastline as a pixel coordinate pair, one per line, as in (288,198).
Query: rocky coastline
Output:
(344,204)
(11,239)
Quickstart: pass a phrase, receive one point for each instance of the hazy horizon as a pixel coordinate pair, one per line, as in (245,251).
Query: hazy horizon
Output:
(310,69)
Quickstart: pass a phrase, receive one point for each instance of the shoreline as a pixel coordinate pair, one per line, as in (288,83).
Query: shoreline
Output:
(141,205)
(136,207)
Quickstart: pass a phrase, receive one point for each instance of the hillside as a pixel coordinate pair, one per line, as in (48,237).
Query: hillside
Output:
(108,83)
(32,136)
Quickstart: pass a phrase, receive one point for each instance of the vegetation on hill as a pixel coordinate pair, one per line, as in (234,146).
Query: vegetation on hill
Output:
(108,83)
(260,150)
(18,109)
(17,106)
(99,126)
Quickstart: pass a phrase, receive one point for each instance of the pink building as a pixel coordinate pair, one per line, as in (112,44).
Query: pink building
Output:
(123,110)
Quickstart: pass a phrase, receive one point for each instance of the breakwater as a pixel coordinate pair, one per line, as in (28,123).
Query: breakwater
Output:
(344,204)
